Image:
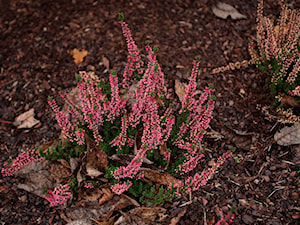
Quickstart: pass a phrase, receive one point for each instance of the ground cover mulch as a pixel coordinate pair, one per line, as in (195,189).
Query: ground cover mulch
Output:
(35,61)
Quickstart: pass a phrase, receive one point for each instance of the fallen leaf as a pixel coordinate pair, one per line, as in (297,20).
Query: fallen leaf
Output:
(48,146)
(105,62)
(163,149)
(157,177)
(153,214)
(238,139)
(175,220)
(107,195)
(93,197)
(76,213)
(78,55)
(74,163)
(37,182)
(26,120)
(59,172)
(223,11)
(180,89)
(96,158)
(288,135)
(289,101)
(80,222)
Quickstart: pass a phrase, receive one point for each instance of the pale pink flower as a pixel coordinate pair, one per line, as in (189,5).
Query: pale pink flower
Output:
(59,196)
(22,159)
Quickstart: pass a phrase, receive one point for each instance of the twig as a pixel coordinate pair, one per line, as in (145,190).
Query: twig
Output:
(275,191)
(288,162)
(204,217)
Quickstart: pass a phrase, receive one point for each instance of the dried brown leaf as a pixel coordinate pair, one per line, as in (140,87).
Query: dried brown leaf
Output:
(288,135)
(26,120)
(96,158)
(153,214)
(78,55)
(175,220)
(160,178)
(64,163)
(93,197)
(180,89)
(163,149)
(48,145)
(239,140)
(37,182)
(223,11)
(59,172)
(289,101)
(76,213)
(107,195)
(105,62)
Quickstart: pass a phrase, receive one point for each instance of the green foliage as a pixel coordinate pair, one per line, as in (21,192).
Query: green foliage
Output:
(121,17)
(73,184)
(62,152)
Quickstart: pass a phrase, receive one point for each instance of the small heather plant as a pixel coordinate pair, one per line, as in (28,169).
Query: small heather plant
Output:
(147,129)
(276,51)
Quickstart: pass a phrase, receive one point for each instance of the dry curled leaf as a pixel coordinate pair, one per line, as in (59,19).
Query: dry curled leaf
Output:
(79,54)
(96,158)
(289,101)
(26,120)
(288,135)
(59,172)
(105,62)
(223,11)
(107,195)
(175,220)
(153,214)
(180,89)
(157,177)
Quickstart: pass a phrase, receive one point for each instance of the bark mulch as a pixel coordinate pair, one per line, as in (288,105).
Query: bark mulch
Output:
(35,60)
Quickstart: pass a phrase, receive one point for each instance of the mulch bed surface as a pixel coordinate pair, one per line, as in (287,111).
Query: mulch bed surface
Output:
(35,44)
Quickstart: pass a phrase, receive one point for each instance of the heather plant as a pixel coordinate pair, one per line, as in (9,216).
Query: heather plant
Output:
(136,121)
(276,52)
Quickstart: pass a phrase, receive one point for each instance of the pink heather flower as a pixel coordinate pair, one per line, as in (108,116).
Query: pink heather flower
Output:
(22,159)
(295,92)
(132,168)
(89,185)
(227,219)
(120,188)
(116,104)
(194,183)
(134,61)
(122,139)
(59,196)
(63,121)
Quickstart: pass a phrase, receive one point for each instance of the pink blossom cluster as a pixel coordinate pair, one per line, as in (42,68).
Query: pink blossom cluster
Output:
(295,92)
(120,188)
(59,196)
(134,59)
(89,185)
(22,159)
(198,180)
(148,113)
(227,219)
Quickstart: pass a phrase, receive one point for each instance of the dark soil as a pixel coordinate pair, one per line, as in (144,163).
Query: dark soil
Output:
(35,60)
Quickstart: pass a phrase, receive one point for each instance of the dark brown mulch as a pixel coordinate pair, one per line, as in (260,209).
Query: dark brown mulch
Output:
(35,60)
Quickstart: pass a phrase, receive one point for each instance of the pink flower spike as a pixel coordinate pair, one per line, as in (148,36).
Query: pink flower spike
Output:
(59,196)
(22,159)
